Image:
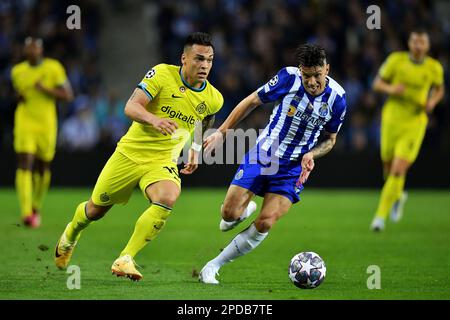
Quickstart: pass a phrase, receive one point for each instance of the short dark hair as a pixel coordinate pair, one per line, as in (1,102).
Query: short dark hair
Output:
(418,29)
(310,55)
(200,38)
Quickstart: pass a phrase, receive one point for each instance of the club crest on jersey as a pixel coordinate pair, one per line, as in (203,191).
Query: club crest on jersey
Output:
(273,81)
(201,107)
(104,197)
(291,111)
(182,89)
(239,174)
(323,111)
(150,74)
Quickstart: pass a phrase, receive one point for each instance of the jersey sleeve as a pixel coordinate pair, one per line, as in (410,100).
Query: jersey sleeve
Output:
(217,105)
(276,87)
(151,84)
(438,74)
(60,77)
(386,71)
(339,109)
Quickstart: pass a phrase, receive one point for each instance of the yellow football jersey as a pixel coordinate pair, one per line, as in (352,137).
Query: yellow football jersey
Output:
(37,110)
(171,98)
(418,79)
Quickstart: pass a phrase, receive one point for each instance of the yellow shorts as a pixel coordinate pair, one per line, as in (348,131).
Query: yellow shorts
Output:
(401,141)
(41,143)
(121,175)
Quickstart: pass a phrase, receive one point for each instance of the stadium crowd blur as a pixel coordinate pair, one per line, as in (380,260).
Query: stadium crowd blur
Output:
(253,39)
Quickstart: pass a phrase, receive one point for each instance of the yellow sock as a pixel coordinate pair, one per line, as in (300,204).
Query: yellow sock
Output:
(24,187)
(78,224)
(147,228)
(40,187)
(391,192)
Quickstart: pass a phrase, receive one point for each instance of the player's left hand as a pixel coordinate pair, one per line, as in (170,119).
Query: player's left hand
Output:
(192,164)
(307,167)
(38,85)
(429,107)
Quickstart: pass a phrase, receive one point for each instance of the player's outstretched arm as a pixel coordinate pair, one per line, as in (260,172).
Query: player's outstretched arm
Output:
(380,85)
(318,151)
(239,112)
(63,92)
(135,110)
(436,95)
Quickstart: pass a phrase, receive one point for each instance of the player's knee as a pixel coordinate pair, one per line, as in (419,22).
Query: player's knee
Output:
(94,212)
(167,199)
(229,211)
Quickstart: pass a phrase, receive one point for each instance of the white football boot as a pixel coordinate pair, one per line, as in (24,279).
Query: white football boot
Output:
(377,224)
(397,208)
(208,274)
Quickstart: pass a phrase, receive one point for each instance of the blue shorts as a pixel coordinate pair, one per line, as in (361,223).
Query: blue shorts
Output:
(262,178)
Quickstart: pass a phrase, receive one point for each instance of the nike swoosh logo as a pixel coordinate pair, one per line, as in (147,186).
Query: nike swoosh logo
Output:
(56,251)
(174,96)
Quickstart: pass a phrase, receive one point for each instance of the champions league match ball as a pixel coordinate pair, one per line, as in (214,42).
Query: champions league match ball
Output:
(307,270)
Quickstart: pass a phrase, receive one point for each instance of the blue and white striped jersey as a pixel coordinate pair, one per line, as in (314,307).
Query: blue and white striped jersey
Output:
(298,118)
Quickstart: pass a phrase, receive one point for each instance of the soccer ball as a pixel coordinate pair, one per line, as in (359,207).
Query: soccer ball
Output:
(307,270)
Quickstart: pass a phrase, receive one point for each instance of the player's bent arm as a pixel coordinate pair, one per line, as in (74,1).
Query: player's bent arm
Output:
(135,110)
(63,92)
(325,146)
(436,95)
(380,85)
(240,112)
(135,107)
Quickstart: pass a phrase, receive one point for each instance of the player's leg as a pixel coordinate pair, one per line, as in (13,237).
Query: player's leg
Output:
(406,149)
(41,183)
(161,185)
(389,137)
(46,145)
(273,208)
(114,185)
(163,195)
(85,213)
(237,207)
(24,188)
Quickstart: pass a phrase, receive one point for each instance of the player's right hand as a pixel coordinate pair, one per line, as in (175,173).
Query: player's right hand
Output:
(165,126)
(398,89)
(212,142)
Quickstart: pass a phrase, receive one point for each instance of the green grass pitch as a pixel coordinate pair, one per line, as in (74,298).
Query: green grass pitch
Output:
(413,255)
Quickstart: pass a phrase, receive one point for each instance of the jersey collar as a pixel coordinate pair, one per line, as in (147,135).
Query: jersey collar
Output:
(192,88)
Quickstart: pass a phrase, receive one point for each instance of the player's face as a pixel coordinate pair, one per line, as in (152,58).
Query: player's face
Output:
(314,79)
(418,44)
(33,51)
(197,62)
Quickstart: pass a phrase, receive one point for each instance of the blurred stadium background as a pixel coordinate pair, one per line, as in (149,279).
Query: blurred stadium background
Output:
(121,39)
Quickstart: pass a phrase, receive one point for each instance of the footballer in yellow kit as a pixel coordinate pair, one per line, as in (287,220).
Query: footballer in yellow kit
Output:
(414,83)
(167,105)
(143,154)
(38,82)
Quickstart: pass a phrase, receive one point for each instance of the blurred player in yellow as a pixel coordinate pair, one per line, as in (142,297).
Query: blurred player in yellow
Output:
(414,83)
(38,82)
(167,105)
